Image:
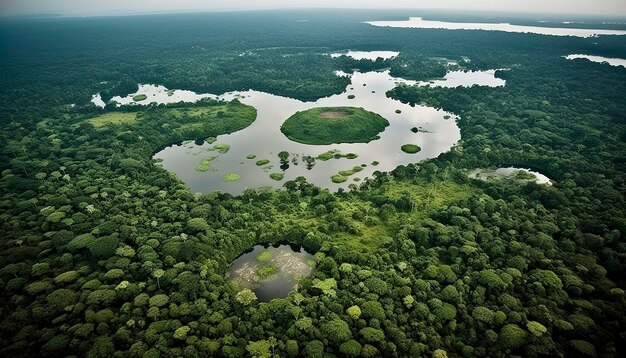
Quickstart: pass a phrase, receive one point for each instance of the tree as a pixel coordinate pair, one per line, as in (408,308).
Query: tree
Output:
(336,331)
(350,348)
(246,297)
(511,337)
(354,312)
(259,349)
(158,273)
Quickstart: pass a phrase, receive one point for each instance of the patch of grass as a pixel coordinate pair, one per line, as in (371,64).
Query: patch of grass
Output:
(211,140)
(205,164)
(220,148)
(335,154)
(328,125)
(267,271)
(113,118)
(139,97)
(232,177)
(263,256)
(338,179)
(277,176)
(250,156)
(349,172)
(410,148)
(262,162)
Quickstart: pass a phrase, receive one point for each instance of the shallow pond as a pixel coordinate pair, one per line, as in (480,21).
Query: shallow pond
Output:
(420,23)
(251,155)
(510,173)
(270,272)
(600,59)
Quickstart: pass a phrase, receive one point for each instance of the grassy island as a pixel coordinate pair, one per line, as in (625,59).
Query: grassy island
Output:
(139,97)
(328,125)
(410,148)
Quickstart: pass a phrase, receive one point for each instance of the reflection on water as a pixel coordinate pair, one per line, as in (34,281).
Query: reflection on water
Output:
(419,23)
(286,264)
(511,173)
(600,59)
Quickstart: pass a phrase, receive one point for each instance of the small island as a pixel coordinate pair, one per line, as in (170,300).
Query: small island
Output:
(328,125)
(410,148)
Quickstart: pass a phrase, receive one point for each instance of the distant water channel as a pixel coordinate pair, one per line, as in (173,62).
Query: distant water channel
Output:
(435,131)
(270,272)
(599,59)
(420,23)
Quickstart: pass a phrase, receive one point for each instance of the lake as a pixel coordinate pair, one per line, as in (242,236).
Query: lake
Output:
(600,59)
(435,131)
(420,23)
(270,272)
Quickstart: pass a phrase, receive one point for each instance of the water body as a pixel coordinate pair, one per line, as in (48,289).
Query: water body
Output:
(600,59)
(367,55)
(462,78)
(420,23)
(437,133)
(290,264)
(510,173)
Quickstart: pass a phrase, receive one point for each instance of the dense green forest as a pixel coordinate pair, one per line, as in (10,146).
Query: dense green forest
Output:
(104,253)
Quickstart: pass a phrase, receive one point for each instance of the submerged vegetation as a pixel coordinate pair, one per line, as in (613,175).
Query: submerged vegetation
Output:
(328,125)
(106,254)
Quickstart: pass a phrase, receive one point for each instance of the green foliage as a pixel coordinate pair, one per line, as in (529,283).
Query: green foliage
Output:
(139,97)
(198,225)
(259,349)
(267,271)
(328,125)
(372,335)
(264,256)
(511,337)
(262,162)
(181,332)
(232,177)
(336,331)
(277,176)
(350,348)
(158,300)
(536,328)
(354,312)
(410,148)
(245,297)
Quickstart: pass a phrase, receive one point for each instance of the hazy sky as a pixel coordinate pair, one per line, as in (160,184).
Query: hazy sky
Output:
(104,7)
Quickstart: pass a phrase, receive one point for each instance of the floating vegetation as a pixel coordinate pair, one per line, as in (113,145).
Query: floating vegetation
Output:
(375,163)
(250,156)
(265,255)
(139,97)
(336,154)
(262,162)
(351,96)
(266,272)
(205,164)
(211,140)
(410,148)
(277,176)
(338,179)
(446,116)
(356,179)
(232,177)
(220,148)
(398,111)
(349,172)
